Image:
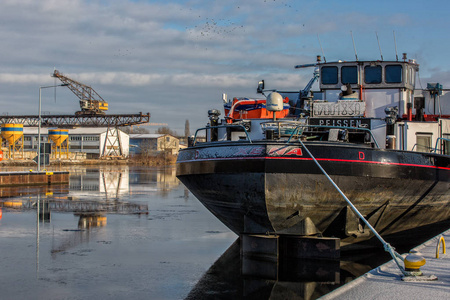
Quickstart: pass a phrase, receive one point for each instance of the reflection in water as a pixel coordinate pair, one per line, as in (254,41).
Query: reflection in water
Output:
(80,254)
(161,181)
(236,277)
(172,234)
(111,182)
(118,182)
(83,234)
(44,210)
(77,205)
(114,182)
(113,185)
(12,191)
(91,194)
(88,220)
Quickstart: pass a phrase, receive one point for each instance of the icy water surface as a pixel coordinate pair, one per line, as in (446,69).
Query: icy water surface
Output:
(154,241)
(137,233)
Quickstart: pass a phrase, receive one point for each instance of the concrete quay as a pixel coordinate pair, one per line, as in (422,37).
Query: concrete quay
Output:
(385,282)
(8,179)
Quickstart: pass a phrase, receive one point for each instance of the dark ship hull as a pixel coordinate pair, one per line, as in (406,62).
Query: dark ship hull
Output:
(265,187)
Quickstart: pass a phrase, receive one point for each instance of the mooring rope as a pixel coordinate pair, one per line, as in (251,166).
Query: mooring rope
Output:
(387,247)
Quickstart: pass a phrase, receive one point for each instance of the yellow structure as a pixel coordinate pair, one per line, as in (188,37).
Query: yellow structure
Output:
(60,139)
(13,134)
(12,204)
(440,241)
(88,221)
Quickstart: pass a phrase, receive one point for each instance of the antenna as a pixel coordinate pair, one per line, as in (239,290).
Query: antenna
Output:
(354,47)
(379,47)
(54,83)
(320,44)
(395,44)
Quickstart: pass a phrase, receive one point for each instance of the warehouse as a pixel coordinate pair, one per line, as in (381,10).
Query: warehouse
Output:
(89,143)
(153,143)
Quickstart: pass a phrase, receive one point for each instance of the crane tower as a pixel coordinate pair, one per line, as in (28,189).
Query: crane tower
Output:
(91,103)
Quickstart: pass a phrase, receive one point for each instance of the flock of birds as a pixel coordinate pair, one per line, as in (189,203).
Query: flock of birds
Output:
(212,28)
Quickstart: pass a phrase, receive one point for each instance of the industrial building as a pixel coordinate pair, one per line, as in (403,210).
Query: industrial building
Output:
(84,143)
(152,143)
(88,143)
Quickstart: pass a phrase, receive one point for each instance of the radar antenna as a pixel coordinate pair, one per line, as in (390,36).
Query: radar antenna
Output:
(395,44)
(354,47)
(320,44)
(379,47)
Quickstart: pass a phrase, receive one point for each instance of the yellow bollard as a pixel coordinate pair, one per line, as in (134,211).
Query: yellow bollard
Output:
(413,261)
(441,240)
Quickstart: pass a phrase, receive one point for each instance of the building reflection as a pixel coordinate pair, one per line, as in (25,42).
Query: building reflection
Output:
(89,220)
(81,235)
(159,180)
(64,203)
(92,194)
(116,182)
(112,182)
(236,277)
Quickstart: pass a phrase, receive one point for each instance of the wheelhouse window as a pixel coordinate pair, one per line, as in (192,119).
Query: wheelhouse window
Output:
(423,142)
(372,74)
(329,75)
(393,73)
(411,76)
(349,74)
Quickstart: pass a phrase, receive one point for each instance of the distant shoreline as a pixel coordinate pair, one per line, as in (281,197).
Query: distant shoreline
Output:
(146,161)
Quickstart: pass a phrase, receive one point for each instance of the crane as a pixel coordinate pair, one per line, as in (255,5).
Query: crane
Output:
(91,103)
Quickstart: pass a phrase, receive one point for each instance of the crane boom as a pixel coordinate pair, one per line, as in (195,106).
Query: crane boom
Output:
(91,103)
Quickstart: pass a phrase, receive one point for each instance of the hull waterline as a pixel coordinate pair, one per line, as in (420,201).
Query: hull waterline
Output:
(266,187)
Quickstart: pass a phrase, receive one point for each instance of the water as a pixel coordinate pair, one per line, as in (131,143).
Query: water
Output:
(132,232)
(156,256)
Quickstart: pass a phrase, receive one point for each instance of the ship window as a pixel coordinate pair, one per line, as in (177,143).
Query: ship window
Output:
(329,75)
(411,76)
(393,73)
(423,142)
(349,74)
(372,74)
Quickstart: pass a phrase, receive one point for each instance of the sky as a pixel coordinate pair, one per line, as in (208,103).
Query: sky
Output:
(174,59)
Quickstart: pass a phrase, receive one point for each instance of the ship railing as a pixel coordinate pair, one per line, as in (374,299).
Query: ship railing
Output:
(247,137)
(435,150)
(421,146)
(298,129)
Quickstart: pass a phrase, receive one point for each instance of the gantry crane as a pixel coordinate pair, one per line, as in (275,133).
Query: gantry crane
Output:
(90,102)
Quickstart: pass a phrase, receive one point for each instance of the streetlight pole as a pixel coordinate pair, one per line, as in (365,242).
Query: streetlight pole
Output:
(39,123)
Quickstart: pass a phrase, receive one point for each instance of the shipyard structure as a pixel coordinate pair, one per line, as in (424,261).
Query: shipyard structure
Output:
(90,133)
(21,143)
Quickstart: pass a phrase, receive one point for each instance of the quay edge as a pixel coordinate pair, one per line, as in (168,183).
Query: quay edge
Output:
(10,179)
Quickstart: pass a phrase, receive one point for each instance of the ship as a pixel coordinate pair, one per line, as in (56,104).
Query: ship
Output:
(384,142)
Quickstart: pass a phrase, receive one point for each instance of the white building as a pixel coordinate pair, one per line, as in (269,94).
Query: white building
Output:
(94,142)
